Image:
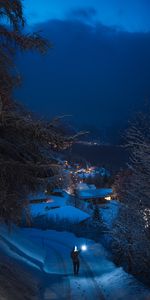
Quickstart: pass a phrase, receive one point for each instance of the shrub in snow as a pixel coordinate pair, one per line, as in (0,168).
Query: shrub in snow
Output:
(96,213)
(97,218)
(131,245)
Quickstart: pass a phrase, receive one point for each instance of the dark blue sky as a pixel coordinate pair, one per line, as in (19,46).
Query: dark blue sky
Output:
(131,15)
(99,68)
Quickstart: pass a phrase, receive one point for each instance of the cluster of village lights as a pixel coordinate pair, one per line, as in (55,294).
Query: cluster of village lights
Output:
(88,170)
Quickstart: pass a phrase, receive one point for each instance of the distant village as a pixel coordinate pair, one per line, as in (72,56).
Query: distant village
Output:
(90,183)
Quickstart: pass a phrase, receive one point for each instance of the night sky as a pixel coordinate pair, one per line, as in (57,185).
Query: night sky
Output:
(99,68)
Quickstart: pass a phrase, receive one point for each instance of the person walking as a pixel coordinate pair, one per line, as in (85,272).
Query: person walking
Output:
(75,260)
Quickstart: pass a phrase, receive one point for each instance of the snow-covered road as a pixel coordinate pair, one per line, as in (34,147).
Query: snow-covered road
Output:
(73,287)
(49,253)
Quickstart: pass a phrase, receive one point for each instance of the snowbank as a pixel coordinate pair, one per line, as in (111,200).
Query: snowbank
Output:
(97,273)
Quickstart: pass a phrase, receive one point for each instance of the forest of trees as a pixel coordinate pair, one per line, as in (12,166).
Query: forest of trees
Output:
(27,145)
(131,232)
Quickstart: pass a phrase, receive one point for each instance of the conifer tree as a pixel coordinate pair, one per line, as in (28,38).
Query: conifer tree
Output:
(27,145)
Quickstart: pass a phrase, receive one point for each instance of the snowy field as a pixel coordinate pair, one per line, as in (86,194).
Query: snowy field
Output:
(48,252)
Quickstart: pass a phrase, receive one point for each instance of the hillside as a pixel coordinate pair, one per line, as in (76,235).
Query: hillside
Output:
(110,156)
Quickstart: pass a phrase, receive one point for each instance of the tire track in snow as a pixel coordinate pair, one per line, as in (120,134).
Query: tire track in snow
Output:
(91,274)
(47,294)
(48,291)
(96,290)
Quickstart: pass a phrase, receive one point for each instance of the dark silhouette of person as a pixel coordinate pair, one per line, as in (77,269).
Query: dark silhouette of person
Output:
(75,260)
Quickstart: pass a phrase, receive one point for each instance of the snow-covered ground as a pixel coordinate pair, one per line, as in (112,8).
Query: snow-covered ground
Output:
(45,255)
(57,209)
(48,252)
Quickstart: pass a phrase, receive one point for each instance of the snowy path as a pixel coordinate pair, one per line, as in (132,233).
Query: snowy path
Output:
(49,252)
(54,260)
(75,287)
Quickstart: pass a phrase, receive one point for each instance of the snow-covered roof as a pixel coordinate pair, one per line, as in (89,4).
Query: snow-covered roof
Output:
(43,196)
(85,186)
(92,186)
(94,193)
(52,201)
(82,186)
(64,212)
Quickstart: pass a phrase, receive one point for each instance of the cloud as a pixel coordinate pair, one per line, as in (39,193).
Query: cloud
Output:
(83,13)
(97,74)
(132,15)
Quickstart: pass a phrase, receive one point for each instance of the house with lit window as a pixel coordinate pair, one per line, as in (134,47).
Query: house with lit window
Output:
(92,194)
